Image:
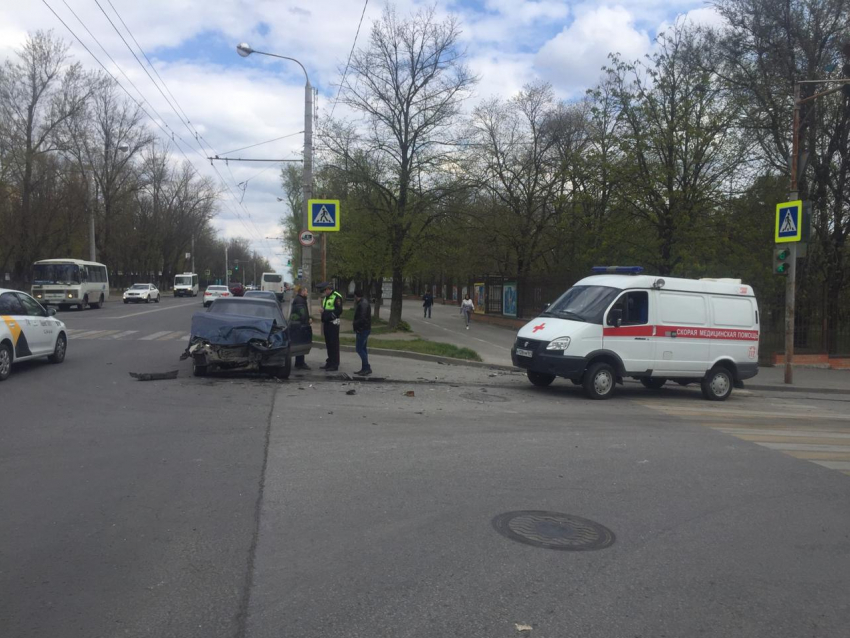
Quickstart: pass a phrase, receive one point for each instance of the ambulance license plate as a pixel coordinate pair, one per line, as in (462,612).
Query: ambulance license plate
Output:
(524,353)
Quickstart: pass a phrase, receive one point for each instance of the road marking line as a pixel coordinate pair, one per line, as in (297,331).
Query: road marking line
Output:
(155,335)
(126,333)
(806,447)
(725,414)
(172,337)
(86,334)
(102,334)
(786,433)
(73,331)
(819,456)
(834,465)
(147,312)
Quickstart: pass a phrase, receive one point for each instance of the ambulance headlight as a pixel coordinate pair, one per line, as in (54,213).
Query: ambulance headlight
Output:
(559,345)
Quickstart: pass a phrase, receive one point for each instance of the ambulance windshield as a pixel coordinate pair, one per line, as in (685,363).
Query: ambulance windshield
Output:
(583,303)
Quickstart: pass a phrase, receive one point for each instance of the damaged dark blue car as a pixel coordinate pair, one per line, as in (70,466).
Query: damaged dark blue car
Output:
(245,335)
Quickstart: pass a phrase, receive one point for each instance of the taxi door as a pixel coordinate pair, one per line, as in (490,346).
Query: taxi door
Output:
(629,331)
(38,328)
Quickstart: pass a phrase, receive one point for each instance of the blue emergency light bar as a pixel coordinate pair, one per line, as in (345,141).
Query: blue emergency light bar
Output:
(618,270)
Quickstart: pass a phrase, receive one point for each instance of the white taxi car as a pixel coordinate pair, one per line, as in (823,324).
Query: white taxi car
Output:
(214,292)
(28,331)
(141,292)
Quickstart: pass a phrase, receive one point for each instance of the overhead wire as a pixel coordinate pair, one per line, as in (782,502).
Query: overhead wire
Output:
(187,123)
(350,53)
(164,126)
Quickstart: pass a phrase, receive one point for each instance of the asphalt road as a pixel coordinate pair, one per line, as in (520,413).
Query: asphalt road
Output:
(240,506)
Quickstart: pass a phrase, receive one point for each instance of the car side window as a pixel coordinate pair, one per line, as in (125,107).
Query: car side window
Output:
(31,307)
(635,308)
(10,304)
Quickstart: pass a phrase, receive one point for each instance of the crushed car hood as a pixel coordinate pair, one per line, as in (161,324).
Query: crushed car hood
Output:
(234,330)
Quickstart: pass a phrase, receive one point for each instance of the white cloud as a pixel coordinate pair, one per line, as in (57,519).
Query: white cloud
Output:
(573,59)
(704,16)
(236,102)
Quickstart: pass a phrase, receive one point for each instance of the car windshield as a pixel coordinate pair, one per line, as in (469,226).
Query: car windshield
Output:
(56,274)
(182,281)
(139,287)
(241,307)
(583,303)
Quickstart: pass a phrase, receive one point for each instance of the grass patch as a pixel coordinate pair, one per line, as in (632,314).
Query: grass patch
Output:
(379,326)
(422,346)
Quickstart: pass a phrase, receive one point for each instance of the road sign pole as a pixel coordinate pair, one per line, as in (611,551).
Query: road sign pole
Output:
(324,257)
(307,251)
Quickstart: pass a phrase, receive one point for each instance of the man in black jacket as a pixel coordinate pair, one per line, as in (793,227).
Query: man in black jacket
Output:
(362,328)
(299,322)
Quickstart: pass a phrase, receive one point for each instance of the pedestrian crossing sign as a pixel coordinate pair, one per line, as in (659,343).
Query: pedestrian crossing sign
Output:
(789,222)
(324,215)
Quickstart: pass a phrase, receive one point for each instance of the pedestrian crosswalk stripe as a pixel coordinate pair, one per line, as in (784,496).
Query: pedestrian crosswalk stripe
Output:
(126,333)
(804,447)
(173,337)
(815,434)
(102,334)
(155,335)
(835,465)
(72,331)
(89,333)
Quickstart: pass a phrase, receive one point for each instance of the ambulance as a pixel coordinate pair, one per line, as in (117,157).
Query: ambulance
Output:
(621,323)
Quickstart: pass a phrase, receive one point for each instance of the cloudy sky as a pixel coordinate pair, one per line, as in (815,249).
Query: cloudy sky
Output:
(234,102)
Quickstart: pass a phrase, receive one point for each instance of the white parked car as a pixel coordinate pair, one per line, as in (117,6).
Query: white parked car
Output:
(141,292)
(28,331)
(214,292)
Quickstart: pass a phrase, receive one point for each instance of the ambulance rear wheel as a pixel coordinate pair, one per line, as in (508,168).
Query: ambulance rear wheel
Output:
(653,383)
(600,380)
(540,379)
(717,384)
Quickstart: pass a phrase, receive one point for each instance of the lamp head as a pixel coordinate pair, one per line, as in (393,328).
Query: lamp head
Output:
(244,49)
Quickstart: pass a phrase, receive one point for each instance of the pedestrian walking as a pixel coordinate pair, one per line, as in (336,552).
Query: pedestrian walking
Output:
(299,323)
(427,302)
(466,309)
(331,312)
(362,328)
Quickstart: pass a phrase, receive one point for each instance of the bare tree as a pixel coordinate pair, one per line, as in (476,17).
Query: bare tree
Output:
(38,94)
(408,83)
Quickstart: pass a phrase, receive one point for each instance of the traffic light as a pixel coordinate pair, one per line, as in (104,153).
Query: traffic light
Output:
(781,260)
(288,262)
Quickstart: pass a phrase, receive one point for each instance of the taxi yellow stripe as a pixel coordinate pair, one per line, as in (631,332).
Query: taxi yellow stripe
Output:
(14,328)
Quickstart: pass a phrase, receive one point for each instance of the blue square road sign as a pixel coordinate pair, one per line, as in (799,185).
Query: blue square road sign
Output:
(789,222)
(324,215)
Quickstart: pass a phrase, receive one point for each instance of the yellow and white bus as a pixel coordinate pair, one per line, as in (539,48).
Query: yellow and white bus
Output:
(70,282)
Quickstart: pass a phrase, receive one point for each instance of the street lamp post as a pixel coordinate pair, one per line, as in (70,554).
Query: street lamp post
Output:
(245,50)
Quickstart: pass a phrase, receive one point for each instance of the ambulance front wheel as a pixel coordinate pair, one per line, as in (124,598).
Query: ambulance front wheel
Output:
(540,379)
(717,384)
(600,380)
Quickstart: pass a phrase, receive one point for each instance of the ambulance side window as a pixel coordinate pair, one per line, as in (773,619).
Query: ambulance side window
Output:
(634,306)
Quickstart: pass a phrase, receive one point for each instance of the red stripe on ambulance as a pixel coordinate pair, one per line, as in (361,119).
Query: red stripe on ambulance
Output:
(682,332)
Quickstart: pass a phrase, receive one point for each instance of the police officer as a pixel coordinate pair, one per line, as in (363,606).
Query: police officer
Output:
(331,312)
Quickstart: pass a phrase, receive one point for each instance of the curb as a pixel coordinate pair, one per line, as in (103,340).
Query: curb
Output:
(418,356)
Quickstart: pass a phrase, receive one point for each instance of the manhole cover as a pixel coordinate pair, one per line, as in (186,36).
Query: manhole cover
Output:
(483,396)
(552,530)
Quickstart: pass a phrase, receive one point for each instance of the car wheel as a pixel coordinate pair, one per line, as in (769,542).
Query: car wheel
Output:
(148,299)
(600,380)
(653,383)
(125,301)
(157,298)
(59,349)
(84,303)
(540,379)
(284,371)
(199,371)
(5,361)
(717,384)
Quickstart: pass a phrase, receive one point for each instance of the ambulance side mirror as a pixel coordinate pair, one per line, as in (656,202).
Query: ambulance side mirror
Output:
(615,317)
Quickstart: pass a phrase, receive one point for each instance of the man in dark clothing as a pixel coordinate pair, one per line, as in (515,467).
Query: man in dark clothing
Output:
(299,322)
(331,312)
(362,328)
(427,302)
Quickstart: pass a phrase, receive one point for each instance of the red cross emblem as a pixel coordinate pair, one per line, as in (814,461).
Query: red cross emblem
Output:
(540,327)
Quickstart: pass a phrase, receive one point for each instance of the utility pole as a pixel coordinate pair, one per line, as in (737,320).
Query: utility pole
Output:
(193,254)
(226,276)
(791,282)
(307,254)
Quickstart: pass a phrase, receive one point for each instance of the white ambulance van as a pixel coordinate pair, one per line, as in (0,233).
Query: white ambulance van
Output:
(625,324)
